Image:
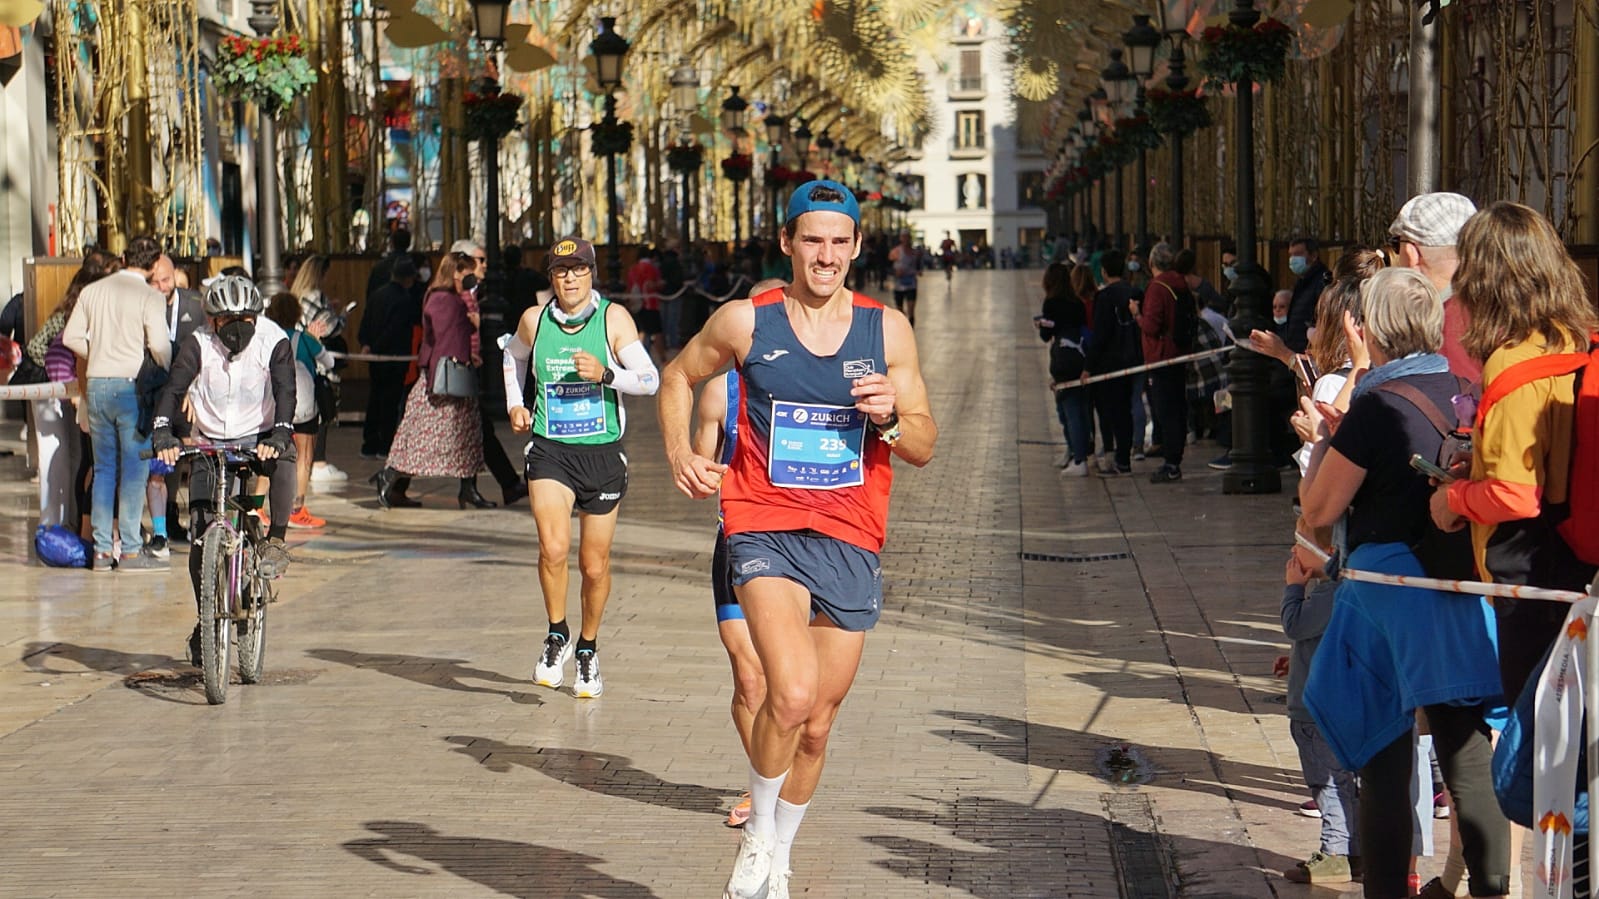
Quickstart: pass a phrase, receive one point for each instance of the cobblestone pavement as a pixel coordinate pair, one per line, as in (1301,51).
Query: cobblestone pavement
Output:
(1069,694)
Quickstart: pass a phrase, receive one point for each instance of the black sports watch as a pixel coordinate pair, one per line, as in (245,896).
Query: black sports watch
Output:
(608,377)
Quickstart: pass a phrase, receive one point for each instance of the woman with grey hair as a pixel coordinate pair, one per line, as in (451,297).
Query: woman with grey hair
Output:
(1391,650)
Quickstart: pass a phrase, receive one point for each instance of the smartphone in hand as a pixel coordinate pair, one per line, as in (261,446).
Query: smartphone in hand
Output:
(1430,469)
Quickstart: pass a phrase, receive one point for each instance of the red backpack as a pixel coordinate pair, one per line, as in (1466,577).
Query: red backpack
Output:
(1581,527)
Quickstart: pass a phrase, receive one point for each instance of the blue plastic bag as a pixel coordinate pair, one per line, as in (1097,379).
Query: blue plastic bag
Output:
(59,547)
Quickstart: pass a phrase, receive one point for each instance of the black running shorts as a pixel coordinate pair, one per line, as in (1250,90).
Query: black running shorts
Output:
(596,474)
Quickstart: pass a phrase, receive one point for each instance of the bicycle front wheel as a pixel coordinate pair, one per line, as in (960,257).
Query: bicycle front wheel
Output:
(216,623)
(252,623)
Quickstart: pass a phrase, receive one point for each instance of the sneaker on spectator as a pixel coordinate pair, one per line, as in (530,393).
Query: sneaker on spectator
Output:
(1440,805)
(1166,474)
(1075,470)
(134,563)
(104,563)
(302,518)
(1308,809)
(1223,462)
(1321,868)
(1138,454)
(158,547)
(327,472)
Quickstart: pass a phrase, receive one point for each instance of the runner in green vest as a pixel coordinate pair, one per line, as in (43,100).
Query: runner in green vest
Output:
(584,351)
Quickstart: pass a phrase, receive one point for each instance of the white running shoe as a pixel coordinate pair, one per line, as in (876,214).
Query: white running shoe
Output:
(327,472)
(588,684)
(1075,470)
(752,869)
(777,887)
(550,670)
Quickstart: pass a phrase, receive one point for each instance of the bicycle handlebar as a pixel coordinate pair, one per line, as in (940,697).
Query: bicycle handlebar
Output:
(230,452)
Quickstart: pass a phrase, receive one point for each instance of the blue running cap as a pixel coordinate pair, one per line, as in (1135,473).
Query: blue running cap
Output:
(801,202)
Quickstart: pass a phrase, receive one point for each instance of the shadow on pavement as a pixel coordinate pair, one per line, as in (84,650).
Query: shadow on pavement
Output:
(1031,743)
(524,870)
(449,674)
(37,656)
(597,772)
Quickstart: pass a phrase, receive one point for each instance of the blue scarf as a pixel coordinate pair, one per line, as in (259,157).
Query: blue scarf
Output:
(1413,364)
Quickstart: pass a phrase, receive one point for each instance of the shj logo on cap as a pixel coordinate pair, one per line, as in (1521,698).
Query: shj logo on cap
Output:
(565,248)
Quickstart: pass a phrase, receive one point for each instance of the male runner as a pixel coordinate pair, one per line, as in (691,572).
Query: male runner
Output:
(831,388)
(716,436)
(907,265)
(585,350)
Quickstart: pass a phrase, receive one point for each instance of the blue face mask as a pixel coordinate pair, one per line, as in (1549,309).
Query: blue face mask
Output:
(1230,273)
(1133,266)
(1298,264)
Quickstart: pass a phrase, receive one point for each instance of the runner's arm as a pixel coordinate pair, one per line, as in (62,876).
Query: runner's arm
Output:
(637,374)
(727,333)
(710,417)
(514,369)
(902,392)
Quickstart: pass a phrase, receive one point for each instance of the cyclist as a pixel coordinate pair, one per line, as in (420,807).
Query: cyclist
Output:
(237,375)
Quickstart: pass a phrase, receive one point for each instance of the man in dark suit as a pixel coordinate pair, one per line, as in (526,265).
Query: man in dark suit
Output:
(392,312)
(383,272)
(184,316)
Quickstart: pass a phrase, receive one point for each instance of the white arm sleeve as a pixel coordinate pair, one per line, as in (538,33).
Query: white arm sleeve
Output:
(637,375)
(514,364)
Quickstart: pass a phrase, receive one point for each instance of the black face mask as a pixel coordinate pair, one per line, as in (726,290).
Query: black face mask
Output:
(469,283)
(236,335)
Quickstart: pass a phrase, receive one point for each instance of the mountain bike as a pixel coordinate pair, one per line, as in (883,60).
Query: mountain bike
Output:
(234,593)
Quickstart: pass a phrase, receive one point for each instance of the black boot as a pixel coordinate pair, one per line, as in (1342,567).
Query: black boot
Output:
(470,495)
(391,490)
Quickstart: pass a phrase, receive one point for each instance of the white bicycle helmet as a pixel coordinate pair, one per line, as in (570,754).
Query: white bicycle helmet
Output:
(233,295)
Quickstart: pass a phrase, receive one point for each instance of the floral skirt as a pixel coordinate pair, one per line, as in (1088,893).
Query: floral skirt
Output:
(439,436)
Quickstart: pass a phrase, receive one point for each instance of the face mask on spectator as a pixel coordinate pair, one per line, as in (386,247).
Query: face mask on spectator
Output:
(1133,266)
(1230,273)
(424,274)
(1280,319)
(1298,264)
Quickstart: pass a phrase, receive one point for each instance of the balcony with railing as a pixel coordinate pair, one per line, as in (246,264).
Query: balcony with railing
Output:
(968,146)
(968,87)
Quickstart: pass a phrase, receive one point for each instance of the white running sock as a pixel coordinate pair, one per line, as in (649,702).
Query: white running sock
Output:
(763,803)
(788,817)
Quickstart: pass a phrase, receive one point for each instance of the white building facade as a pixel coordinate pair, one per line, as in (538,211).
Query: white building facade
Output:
(981,173)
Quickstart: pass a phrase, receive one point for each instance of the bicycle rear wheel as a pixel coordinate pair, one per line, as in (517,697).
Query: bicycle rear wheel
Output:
(252,626)
(216,625)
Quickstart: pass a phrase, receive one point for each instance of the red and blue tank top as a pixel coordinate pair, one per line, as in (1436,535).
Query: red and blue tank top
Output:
(805,458)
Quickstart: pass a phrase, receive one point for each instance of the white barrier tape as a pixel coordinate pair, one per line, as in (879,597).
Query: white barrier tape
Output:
(1058,386)
(369,357)
(1473,588)
(50,390)
(739,284)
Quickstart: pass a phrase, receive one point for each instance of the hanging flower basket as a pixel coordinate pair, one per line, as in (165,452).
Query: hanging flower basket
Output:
(1178,113)
(1234,54)
(803,176)
(490,115)
(1095,161)
(610,138)
(737,167)
(779,176)
(685,158)
(1116,152)
(1137,133)
(270,72)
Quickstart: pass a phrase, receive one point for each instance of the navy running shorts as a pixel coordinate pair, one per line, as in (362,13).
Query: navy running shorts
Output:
(727,607)
(595,473)
(844,580)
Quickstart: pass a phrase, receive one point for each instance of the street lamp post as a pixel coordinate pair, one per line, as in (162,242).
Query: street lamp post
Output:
(1090,126)
(608,48)
(270,274)
(733,109)
(1177,83)
(1116,80)
(685,97)
(1141,41)
(489,20)
(1253,470)
(776,136)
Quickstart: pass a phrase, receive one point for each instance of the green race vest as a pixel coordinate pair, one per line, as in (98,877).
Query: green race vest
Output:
(566,408)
